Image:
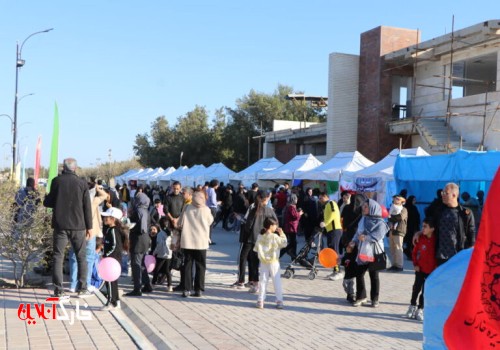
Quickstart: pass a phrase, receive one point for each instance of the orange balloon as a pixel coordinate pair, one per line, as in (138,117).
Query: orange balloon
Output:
(328,257)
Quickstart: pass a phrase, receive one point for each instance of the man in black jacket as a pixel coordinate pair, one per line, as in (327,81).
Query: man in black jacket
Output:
(71,220)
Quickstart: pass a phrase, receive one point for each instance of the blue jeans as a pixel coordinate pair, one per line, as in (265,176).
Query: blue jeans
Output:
(73,267)
(124,263)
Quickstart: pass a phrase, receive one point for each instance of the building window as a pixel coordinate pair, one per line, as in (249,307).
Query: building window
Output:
(474,76)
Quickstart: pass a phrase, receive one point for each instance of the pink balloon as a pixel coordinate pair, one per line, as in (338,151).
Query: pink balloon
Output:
(150,262)
(109,269)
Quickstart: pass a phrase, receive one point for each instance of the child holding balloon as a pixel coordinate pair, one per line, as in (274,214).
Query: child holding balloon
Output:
(115,241)
(163,254)
(268,246)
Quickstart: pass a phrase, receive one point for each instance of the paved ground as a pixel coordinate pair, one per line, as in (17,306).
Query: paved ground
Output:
(316,315)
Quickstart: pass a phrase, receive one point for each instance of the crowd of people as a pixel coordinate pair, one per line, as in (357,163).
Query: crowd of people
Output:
(130,222)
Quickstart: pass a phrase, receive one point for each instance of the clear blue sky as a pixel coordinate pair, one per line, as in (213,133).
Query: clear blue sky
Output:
(114,66)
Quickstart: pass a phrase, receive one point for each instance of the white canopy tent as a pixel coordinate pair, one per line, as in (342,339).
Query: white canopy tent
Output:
(182,177)
(379,177)
(121,179)
(144,177)
(133,176)
(165,178)
(334,169)
(249,175)
(215,171)
(296,166)
(164,175)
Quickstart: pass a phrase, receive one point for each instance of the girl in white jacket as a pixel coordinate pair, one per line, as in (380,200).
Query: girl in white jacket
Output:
(268,246)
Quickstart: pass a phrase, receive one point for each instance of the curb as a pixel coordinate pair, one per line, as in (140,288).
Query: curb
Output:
(129,325)
(145,326)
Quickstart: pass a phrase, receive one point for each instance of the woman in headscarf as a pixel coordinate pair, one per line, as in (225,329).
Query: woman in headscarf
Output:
(413,225)
(139,244)
(291,225)
(195,224)
(371,229)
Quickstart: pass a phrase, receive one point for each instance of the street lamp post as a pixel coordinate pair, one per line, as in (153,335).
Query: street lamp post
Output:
(19,63)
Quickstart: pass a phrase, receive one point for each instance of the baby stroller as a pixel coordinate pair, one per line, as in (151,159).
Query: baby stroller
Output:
(307,257)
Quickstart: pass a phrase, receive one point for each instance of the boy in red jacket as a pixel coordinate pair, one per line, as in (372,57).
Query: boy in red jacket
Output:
(424,262)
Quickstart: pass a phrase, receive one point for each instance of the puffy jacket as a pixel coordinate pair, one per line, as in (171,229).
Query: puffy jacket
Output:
(70,199)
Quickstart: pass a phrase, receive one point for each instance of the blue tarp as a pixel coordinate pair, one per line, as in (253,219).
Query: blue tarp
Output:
(423,176)
(440,294)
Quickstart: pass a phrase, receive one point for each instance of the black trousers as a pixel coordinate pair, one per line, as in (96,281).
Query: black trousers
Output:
(248,255)
(140,275)
(418,288)
(253,264)
(360,283)
(199,257)
(79,244)
(162,271)
(112,288)
(291,248)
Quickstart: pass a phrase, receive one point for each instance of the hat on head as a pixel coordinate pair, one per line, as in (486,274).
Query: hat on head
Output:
(114,212)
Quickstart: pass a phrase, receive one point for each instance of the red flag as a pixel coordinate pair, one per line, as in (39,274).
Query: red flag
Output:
(474,322)
(37,159)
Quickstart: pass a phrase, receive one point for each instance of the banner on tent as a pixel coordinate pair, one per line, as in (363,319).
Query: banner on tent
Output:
(367,184)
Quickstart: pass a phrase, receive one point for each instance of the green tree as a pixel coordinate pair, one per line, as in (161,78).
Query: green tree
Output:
(231,137)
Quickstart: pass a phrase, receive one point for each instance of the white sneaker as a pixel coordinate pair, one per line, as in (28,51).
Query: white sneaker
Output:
(419,315)
(118,305)
(170,289)
(412,309)
(336,276)
(360,302)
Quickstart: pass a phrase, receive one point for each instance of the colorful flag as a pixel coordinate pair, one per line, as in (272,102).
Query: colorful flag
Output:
(54,152)
(474,322)
(37,159)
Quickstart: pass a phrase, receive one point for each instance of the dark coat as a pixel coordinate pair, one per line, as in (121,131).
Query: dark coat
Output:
(70,199)
(255,223)
(139,235)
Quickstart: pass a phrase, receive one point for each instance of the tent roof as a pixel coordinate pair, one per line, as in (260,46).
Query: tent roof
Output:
(134,175)
(459,166)
(332,169)
(148,173)
(178,172)
(385,168)
(250,173)
(217,169)
(297,164)
(181,176)
(165,175)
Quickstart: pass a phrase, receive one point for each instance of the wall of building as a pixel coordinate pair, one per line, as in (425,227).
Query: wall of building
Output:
(375,89)
(290,124)
(342,117)
(467,113)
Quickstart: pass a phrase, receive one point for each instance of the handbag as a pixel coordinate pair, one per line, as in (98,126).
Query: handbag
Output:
(176,262)
(380,261)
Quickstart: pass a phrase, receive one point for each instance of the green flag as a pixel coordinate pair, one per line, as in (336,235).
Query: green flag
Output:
(54,152)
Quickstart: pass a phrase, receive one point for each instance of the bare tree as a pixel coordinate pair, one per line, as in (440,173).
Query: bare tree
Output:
(25,232)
